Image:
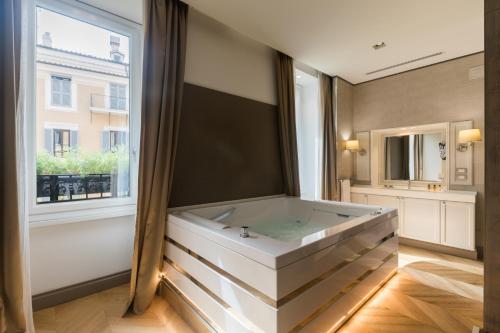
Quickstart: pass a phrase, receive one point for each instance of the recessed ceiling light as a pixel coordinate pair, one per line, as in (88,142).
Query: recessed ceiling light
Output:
(379,45)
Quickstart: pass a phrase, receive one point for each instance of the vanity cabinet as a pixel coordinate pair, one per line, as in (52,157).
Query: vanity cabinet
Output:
(445,218)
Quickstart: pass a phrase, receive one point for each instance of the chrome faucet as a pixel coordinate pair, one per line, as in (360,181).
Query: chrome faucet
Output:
(244,232)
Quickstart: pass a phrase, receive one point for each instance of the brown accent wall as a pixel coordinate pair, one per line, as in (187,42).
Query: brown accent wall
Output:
(228,149)
(433,94)
(492,190)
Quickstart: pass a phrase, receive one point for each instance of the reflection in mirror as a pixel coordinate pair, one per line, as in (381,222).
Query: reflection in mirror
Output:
(417,157)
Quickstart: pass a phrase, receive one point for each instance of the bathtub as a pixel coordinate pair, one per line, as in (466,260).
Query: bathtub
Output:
(278,265)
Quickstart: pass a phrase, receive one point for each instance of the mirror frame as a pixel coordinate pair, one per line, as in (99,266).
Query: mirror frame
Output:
(421,129)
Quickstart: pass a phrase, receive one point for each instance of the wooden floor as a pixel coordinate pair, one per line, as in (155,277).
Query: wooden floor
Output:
(431,293)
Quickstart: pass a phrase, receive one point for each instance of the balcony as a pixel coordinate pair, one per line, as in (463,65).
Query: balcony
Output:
(60,188)
(108,104)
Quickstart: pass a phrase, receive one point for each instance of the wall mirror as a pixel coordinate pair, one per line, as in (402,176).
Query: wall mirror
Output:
(362,159)
(411,156)
(415,157)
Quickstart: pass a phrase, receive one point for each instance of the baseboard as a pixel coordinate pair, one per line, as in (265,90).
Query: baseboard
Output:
(66,294)
(439,248)
(185,309)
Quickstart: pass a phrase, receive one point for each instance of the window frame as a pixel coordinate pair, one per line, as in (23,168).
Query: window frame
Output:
(77,211)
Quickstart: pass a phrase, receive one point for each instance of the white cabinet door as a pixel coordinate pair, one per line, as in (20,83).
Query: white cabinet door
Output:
(457,228)
(421,219)
(359,198)
(388,202)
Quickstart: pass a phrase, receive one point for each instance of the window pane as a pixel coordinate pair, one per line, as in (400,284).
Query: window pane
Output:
(66,100)
(56,98)
(117,96)
(66,86)
(77,159)
(307,116)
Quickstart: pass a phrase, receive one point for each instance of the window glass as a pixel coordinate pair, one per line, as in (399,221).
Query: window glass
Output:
(117,96)
(61,91)
(76,64)
(117,139)
(308,122)
(62,142)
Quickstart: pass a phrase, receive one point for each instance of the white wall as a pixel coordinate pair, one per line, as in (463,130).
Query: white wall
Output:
(222,59)
(217,58)
(66,254)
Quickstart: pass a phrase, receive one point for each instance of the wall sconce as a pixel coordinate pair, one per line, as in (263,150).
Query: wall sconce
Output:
(353,146)
(467,137)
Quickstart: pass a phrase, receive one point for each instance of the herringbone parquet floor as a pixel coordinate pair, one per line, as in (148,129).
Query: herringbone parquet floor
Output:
(431,293)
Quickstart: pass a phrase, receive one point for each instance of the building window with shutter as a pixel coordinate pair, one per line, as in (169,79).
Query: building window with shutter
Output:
(60,91)
(112,140)
(117,96)
(117,139)
(59,142)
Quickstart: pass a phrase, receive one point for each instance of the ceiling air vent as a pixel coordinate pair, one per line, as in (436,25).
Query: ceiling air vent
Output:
(405,63)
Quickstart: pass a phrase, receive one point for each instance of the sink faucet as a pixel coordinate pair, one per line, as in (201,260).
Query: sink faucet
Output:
(409,184)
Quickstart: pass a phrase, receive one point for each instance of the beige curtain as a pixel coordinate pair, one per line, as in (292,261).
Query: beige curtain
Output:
(15,294)
(418,154)
(288,136)
(405,157)
(329,186)
(163,79)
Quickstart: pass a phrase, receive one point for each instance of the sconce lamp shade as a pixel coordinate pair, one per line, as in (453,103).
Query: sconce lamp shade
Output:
(469,135)
(352,145)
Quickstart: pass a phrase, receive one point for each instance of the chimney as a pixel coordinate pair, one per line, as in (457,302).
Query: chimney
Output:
(46,39)
(115,54)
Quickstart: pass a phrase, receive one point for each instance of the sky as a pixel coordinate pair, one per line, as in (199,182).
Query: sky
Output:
(78,36)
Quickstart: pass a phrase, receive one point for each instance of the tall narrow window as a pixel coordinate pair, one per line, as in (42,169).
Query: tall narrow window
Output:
(88,59)
(117,96)
(61,91)
(308,134)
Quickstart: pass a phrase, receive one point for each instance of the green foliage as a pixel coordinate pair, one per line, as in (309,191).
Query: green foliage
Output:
(79,162)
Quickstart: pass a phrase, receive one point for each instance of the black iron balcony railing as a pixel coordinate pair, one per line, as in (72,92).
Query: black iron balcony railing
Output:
(57,188)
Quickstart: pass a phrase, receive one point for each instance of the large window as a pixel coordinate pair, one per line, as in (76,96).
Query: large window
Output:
(82,52)
(308,125)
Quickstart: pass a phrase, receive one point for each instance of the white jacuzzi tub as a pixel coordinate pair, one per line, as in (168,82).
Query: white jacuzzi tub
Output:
(304,267)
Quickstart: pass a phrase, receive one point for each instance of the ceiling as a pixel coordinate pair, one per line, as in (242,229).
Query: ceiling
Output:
(336,36)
